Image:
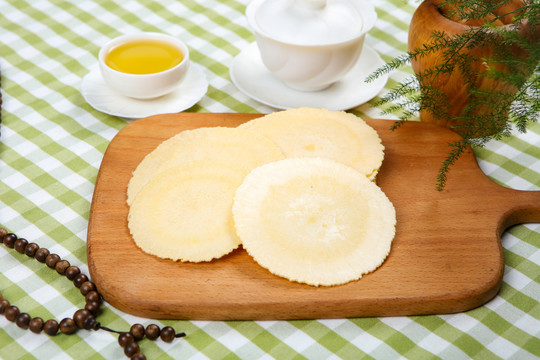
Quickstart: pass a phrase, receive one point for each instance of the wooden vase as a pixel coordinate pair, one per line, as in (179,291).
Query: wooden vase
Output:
(427,19)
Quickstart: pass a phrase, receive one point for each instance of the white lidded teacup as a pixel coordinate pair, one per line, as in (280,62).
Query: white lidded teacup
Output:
(146,85)
(310,44)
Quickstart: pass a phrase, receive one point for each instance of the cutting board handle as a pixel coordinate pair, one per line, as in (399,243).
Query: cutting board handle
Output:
(522,207)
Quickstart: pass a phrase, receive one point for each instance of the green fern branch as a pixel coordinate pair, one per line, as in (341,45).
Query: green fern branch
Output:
(457,149)
(395,63)
(484,108)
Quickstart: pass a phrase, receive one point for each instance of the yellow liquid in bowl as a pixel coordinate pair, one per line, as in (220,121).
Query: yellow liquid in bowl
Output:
(143,57)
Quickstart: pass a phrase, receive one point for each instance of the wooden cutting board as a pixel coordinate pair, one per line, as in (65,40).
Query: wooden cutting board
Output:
(446,256)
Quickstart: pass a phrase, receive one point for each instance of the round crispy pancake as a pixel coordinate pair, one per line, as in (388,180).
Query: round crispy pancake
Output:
(310,132)
(184,213)
(313,220)
(240,146)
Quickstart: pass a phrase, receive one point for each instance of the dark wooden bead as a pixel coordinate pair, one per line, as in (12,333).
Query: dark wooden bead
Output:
(20,244)
(93,307)
(152,331)
(87,286)
(72,271)
(138,356)
(131,349)
(3,233)
(125,338)
(80,317)
(79,280)
(50,327)
(30,249)
(137,330)
(68,326)
(4,304)
(11,313)
(9,240)
(62,266)
(91,323)
(51,260)
(41,254)
(93,296)
(23,320)
(167,334)
(36,325)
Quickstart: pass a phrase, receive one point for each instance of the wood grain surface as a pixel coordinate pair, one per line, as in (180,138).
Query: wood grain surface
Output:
(446,256)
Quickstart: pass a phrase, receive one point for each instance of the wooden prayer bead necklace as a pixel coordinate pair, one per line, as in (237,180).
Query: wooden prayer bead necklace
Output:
(83,318)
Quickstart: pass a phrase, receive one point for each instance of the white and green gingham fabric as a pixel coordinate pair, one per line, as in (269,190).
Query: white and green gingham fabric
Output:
(52,143)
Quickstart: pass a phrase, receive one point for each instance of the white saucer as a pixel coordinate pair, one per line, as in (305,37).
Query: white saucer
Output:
(104,99)
(250,75)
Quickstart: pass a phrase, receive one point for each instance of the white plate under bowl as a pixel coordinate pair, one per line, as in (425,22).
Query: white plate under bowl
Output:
(103,98)
(250,75)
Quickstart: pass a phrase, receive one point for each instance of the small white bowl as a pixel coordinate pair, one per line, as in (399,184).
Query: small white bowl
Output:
(312,63)
(144,86)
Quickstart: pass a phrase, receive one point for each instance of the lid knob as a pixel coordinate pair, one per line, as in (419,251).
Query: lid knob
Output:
(312,4)
(307,22)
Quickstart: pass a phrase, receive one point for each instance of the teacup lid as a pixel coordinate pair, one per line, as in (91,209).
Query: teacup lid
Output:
(309,21)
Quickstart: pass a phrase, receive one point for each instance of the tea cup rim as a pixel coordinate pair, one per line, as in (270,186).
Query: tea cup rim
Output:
(105,49)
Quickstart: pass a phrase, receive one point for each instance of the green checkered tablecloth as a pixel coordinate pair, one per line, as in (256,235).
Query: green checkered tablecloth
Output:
(52,143)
